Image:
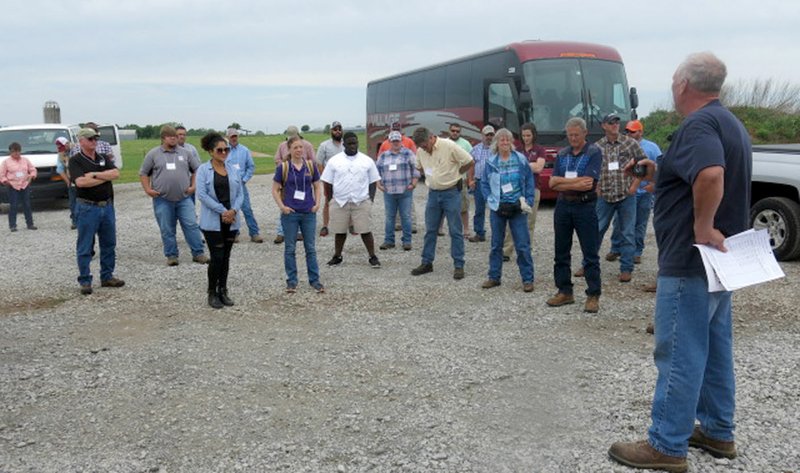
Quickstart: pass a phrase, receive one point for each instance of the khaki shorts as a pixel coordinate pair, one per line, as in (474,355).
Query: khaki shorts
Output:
(464,198)
(351,214)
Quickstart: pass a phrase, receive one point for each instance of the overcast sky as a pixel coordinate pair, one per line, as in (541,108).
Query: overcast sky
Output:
(267,65)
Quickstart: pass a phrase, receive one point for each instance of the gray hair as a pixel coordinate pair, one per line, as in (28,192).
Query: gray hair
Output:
(421,136)
(704,71)
(576,122)
(501,132)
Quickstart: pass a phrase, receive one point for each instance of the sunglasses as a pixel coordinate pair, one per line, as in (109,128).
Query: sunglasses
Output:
(222,150)
(92,138)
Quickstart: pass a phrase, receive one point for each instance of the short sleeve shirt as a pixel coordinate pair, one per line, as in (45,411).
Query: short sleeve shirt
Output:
(80,165)
(170,171)
(298,190)
(441,168)
(586,163)
(350,177)
(711,136)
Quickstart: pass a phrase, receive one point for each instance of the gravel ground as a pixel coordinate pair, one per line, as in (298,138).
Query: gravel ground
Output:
(385,372)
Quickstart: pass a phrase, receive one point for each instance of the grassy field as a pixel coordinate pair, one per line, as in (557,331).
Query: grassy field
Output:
(133,152)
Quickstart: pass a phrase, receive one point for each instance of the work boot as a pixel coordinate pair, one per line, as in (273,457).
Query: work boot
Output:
(490,283)
(458,273)
(625,277)
(113,282)
(422,269)
(717,448)
(611,256)
(201,258)
(222,294)
(257,239)
(213,299)
(580,272)
(650,287)
(561,299)
(592,304)
(642,455)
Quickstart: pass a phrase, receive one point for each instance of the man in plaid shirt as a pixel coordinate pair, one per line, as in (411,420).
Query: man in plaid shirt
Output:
(397,168)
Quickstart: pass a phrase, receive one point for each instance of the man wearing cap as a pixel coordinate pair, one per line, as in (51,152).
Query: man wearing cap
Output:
(480,153)
(616,190)
(644,197)
(397,168)
(168,176)
(92,173)
(281,155)
(62,168)
(328,149)
(241,160)
(103,147)
(443,163)
(408,143)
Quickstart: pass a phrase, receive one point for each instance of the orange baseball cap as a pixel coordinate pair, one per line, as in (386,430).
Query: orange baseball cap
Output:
(634,125)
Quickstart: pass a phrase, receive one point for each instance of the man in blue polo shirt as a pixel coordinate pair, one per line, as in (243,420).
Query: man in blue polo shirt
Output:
(703,189)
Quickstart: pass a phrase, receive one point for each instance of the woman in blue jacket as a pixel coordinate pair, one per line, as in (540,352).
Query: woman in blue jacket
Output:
(508,186)
(219,190)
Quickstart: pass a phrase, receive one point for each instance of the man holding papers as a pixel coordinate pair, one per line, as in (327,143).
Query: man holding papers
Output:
(703,189)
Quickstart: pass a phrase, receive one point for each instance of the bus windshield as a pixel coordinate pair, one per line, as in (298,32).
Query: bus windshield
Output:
(571,87)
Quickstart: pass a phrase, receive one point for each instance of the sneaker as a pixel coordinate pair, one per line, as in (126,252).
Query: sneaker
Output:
(717,448)
(374,262)
(86,289)
(335,260)
(422,269)
(476,238)
(323,232)
(73,227)
(387,246)
(561,299)
(625,277)
(490,283)
(592,304)
(642,455)
(612,256)
(651,329)
(113,282)
(579,273)
(506,259)
(201,258)
(527,286)
(407,247)
(637,260)
(172,261)
(318,287)
(278,240)
(458,273)
(32,227)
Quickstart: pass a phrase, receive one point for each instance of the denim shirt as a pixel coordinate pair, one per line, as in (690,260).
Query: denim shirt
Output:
(210,207)
(490,181)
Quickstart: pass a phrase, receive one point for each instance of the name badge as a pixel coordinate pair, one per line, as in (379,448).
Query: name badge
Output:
(170,166)
(429,171)
(19,173)
(613,166)
(571,174)
(506,188)
(299,195)
(393,167)
(180,158)
(236,166)
(102,162)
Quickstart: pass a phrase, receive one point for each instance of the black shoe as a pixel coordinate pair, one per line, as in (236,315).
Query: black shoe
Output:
(336,260)
(213,299)
(13,229)
(506,258)
(32,227)
(86,289)
(222,294)
(422,269)
(373,261)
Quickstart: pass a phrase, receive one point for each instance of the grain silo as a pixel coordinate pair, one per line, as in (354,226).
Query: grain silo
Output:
(52,112)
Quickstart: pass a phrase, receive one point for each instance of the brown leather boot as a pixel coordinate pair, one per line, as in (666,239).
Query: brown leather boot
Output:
(642,455)
(717,448)
(560,299)
(592,304)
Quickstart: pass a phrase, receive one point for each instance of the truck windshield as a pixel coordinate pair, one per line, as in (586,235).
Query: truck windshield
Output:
(571,87)
(33,141)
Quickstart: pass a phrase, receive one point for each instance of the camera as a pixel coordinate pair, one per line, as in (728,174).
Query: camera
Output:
(639,170)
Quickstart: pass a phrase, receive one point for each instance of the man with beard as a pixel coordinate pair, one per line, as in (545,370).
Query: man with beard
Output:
(346,179)
(328,149)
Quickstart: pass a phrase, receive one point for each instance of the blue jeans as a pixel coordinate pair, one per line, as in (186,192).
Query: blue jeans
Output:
(644,203)
(306,223)
(101,221)
(694,356)
(625,211)
(247,210)
(393,203)
(168,214)
(73,209)
(15,197)
(479,220)
(441,204)
(581,218)
(522,245)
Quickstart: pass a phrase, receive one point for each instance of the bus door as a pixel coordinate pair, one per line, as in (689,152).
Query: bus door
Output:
(500,104)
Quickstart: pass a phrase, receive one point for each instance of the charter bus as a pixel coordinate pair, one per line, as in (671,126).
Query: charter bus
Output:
(544,82)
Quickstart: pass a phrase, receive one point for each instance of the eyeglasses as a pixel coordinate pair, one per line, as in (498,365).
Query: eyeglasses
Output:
(222,150)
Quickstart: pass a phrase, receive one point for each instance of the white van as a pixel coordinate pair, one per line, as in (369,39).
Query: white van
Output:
(39,146)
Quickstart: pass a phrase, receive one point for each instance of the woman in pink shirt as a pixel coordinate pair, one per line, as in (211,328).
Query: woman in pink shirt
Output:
(17,173)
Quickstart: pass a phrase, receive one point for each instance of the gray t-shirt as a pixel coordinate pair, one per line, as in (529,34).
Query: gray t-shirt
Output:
(328,149)
(170,171)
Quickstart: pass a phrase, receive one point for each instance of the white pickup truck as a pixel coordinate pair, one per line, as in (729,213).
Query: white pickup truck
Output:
(776,197)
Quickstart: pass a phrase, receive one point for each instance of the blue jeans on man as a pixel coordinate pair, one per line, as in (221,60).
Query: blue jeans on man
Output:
(694,356)
(101,221)
(16,197)
(168,214)
(444,204)
(625,212)
(518,224)
(247,210)
(73,208)
(392,204)
(580,217)
(644,204)
(479,219)
(306,223)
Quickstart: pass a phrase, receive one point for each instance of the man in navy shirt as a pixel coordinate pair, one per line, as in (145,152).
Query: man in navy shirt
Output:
(703,196)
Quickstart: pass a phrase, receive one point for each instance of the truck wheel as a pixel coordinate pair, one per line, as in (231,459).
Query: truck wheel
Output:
(781,217)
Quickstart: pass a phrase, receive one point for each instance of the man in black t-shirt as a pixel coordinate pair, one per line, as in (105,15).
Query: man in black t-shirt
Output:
(92,173)
(703,189)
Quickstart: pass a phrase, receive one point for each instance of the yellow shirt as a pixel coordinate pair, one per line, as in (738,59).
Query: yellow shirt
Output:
(441,167)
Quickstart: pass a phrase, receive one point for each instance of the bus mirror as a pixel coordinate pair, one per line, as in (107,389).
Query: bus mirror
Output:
(525,99)
(634,98)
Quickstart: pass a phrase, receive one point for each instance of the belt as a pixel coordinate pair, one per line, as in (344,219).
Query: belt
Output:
(587,197)
(458,186)
(102,203)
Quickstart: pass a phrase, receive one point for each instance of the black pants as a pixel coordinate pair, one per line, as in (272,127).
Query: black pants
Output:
(219,246)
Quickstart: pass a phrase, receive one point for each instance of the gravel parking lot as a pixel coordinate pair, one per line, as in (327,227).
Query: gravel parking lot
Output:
(384,372)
